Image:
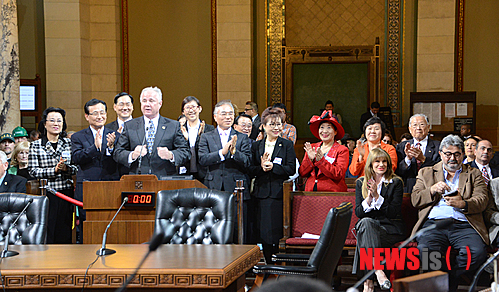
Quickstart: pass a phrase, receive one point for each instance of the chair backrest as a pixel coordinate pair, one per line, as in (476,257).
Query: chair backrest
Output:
(31,228)
(195,215)
(329,247)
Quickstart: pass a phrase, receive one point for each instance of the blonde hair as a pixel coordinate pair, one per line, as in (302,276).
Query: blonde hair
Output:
(375,154)
(18,148)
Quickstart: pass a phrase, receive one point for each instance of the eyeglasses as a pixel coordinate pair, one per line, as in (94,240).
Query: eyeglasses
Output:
(245,126)
(96,113)
(420,125)
(225,114)
(55,121)
(456,155)
(273,125)
(248,109)
(122,104)
(189,108)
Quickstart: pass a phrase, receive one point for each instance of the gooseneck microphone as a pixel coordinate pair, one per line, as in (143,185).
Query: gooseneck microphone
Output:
(156,241)
(139,168)
(479,272)
(438,225)
(103,250)
(6,252)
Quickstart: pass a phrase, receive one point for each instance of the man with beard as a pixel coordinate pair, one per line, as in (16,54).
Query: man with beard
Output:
(452,191)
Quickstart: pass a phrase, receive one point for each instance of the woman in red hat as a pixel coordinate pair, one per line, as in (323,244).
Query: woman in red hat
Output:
(325,162)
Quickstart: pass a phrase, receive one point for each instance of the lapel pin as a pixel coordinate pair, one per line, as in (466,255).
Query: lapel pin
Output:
(163,127)
(280,145)
(5,183)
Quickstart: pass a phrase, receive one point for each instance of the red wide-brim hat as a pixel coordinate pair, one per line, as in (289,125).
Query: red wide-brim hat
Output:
(327,116)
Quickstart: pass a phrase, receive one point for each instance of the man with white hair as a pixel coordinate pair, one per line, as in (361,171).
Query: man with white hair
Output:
(10,183)
(419,152)
(153,141)
(225,152)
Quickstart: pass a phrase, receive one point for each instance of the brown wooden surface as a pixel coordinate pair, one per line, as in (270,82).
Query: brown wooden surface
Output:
(171,266)
(432,281)
(101,200)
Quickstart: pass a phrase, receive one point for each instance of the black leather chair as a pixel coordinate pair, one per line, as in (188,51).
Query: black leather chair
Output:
(195,215)
(325,256)
(31,228)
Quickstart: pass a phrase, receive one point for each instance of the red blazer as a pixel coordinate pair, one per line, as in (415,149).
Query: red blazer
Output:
(331,171)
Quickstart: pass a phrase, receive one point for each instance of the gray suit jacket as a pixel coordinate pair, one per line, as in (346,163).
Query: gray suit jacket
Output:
(223,174)
(168,134)
(492,213)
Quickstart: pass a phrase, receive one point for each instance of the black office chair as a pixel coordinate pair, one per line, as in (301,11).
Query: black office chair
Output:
(31,228)
(325,256)
(195,215)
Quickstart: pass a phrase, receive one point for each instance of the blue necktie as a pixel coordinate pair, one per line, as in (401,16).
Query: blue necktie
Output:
(150,136)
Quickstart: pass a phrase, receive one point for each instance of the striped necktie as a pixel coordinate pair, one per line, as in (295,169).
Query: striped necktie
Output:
(150,136)
(486,176)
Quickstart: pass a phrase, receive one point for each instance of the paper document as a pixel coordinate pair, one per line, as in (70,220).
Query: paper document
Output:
(310,236)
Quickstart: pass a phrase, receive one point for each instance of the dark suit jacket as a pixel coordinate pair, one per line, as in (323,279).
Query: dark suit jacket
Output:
(408,174)
(93,165)
(113,126)
(168,134)
(254,129)
(269,184)
(471,187)
(390,213)
(223,174)
(201,169)
(13,184)
(494,171)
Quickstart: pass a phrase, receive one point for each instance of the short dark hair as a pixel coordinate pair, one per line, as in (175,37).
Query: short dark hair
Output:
(253,105)
(92,102)
(407,136)
(41,125)
(120,95)
(236,121)
(181,116)
(188,99)
(329,102)
(280,105)
(375,120)
(375,105)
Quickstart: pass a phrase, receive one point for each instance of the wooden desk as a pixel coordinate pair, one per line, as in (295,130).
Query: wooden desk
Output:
(172,267)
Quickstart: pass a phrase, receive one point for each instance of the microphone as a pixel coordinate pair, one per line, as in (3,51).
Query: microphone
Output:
(103,250)
(9,253)
(438,225)
(139,170)
(156,241)
(479,272)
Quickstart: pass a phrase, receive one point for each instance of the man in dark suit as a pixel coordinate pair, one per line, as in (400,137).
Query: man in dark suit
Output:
(373,112)
(92,151)
(251,109)
(419,152)
(225,152)
(153,141)
(123,106)
(483,155)
(10,183)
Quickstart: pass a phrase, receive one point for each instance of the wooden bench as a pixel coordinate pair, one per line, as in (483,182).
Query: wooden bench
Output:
(306,212)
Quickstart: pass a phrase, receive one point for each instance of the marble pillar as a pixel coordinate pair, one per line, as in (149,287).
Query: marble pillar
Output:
(10,115)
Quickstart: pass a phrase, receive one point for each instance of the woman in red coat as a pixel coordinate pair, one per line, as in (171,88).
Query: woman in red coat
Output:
(325,162)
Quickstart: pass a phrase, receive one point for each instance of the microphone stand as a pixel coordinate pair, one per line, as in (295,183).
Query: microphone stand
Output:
(139,168)
(103,250)
(477,275)
(6,252)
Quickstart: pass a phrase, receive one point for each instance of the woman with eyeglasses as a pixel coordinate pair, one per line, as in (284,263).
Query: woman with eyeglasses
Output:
(192,129)
(378,202)
(325,163)
(50,158)
(273,161)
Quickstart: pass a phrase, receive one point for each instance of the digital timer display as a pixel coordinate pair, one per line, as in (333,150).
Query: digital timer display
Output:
(139,199)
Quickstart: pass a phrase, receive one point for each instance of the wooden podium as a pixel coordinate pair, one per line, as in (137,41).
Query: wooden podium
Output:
(101,200)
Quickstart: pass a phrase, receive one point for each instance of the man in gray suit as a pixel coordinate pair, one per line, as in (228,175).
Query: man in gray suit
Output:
(152,144)
(225,152)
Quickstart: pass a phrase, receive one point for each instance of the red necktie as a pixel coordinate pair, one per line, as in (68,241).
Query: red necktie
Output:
(485,174)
